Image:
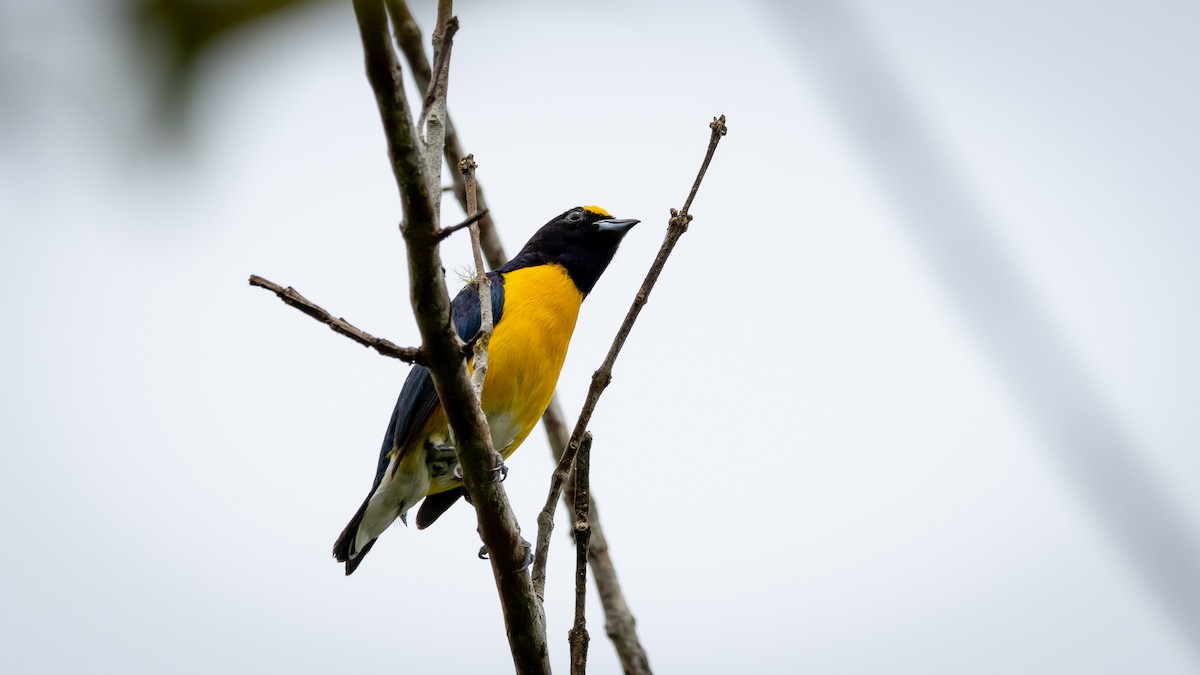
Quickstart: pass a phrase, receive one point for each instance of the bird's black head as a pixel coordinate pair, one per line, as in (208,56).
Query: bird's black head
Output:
(582,240)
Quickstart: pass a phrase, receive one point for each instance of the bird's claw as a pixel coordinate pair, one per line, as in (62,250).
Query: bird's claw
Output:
(528,559)
(500,473)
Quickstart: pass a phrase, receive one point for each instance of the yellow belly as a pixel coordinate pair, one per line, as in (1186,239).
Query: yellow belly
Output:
(525,357)
(527,351)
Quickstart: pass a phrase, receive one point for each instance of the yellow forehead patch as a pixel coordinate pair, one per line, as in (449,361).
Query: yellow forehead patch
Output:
(597,210)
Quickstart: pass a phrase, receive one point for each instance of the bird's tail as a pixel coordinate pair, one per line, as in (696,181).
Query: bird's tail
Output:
(389,500)
(345,549)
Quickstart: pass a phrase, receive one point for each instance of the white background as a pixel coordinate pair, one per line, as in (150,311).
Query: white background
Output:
(804,463)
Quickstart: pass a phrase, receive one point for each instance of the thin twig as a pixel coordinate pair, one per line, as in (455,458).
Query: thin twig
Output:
(292,297)
(435,95)
(445,232)
(467,166)
(408,38)
(432,123)
(578,635)
(718,131)
(676,226)
(445,27)
(545,522)
(523,614)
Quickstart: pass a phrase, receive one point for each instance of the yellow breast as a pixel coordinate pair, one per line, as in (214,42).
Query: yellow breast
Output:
(527,350)
(525,357)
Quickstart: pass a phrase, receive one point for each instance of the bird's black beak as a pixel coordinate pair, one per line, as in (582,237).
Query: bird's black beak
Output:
(617,225)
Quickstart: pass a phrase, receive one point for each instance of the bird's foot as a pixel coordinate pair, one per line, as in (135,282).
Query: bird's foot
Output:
(526,559)
(498,474)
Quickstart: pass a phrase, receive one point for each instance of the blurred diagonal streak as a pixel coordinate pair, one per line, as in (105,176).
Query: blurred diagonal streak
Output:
(1049,384)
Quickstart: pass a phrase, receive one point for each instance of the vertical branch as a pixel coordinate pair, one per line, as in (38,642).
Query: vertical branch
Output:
(578,635)
(523,615)
(408,38)
(432,124)
(467,166)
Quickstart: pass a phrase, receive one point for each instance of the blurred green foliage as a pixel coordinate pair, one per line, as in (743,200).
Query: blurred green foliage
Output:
(177,35)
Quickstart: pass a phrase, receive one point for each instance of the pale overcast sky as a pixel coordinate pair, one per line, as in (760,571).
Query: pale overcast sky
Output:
(807,461)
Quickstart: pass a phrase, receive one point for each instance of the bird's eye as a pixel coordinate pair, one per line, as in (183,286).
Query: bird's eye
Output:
(575,216)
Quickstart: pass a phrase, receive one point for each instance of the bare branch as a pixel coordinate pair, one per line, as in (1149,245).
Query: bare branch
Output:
(408,38)
(445,232)
(443,41)
(292,297)
(619,621)
(467,166)
(578,635)
(545,522)
(524,618)
(676,226)
(432,124)
(718,131)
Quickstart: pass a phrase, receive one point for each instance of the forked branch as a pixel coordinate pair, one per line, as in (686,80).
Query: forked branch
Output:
(408,38)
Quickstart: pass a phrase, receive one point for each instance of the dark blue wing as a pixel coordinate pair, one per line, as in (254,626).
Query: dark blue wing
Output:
(418,398)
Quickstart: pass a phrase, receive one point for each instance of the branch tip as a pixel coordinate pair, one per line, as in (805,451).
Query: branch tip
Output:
(339,325)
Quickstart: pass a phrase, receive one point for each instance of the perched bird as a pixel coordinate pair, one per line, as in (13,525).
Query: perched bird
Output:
(535,301)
